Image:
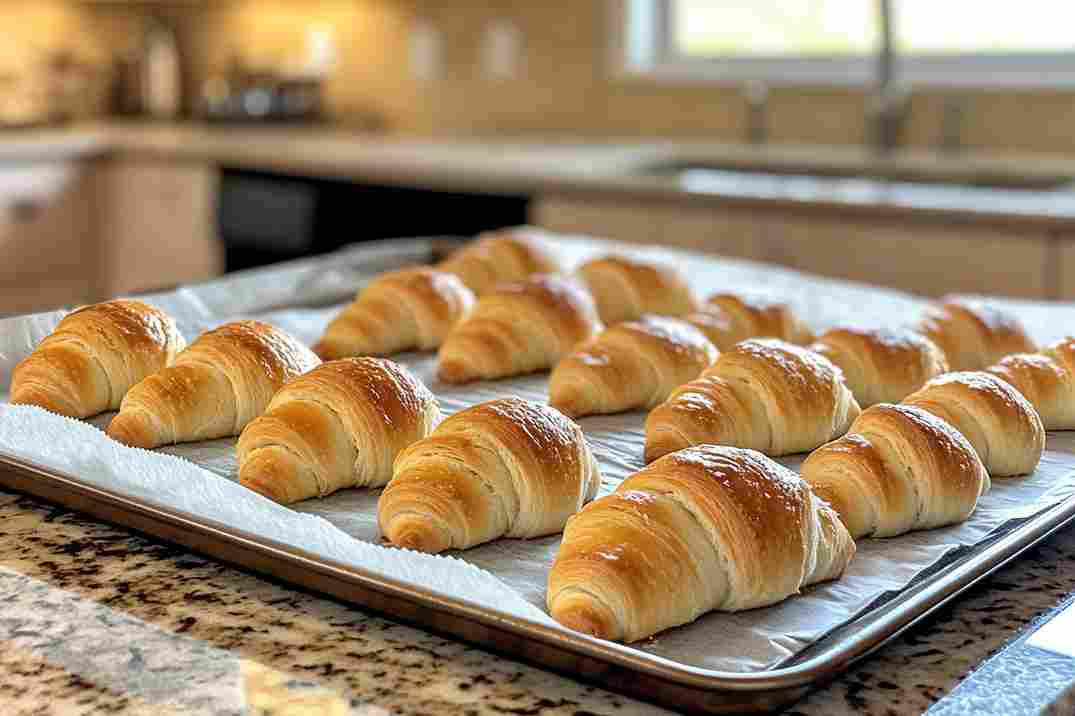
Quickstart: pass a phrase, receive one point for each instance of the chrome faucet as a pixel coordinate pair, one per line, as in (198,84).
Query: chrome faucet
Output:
(888,106)
(756,94)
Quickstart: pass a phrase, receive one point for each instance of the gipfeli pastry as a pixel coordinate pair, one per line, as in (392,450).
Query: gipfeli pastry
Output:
(974,335)
(1047,380)
(409,309)
(704,528)
(763,394)
(501,256)
(221,382)
(505,468)
(94,356)
(625,288)
(727,319)
(340,425)
(631,365)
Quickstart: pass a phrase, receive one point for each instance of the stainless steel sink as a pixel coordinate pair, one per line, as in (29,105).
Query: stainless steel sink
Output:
(970,177)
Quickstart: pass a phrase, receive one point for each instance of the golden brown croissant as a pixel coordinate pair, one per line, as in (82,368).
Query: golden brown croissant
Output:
(973,335)
(996,419)
(94,356)
(882,366)
(631,365)
(506,468)
(624,289)
(1047,380)
(402,310)
(217,385)
(899,469)
(501,256)
(763,394)
(519,328)
(727,319)
(340,425)
(704,528)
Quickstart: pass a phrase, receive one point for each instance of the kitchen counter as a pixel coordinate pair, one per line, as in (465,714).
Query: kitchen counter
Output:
(96,619)
(579,167)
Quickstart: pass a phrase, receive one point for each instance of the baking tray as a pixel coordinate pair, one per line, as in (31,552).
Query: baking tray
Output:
(614,666)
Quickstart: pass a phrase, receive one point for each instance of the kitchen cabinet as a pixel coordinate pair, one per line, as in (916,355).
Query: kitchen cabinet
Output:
(48,235)
(928,258)
(158,224)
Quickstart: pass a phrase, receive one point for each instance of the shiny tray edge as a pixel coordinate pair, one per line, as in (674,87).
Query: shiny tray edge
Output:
(611,665)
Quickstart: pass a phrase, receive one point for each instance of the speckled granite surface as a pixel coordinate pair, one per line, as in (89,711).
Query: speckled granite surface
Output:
(94,619)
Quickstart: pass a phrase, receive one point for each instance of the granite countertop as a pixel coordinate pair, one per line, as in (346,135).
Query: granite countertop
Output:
(96,619)
(607,167)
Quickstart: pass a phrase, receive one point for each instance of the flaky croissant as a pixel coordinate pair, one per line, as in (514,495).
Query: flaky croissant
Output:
(625,288)
(94,356)
(899,469)
(1047,380)
(217,385)
(973,335)
(882,366)
(763,394)
(506,468)
(340,425)
(701,529)
(402,310)
(502,256)
(636,364)
(519,328)
(727,319)
(996,419)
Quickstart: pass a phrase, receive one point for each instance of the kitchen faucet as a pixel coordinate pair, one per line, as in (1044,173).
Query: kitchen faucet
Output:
(888,106)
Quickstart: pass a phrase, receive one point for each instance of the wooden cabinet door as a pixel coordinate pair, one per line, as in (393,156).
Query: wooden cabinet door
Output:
(609,219)
(158,225)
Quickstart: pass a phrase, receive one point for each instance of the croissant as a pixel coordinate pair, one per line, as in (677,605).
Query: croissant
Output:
(94,356)
(217,385)
(631,365)
(401,310)
(506,468)
(501,256)
(899,469)
(882,366)
(1001,426)
(1047,380)
(763,394)
(519,328)
(340,425)
(973,335)
(727,319)
(624,289)
(704,528)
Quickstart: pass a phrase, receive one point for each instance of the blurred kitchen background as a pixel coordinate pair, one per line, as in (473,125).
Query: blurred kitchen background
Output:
(922,145)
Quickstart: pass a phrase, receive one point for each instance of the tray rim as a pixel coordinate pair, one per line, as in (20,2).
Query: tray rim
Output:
(934,592)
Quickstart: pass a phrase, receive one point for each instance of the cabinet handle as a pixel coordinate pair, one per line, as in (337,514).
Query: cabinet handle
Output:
(25,210)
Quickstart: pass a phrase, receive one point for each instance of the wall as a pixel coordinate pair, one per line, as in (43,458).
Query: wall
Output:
(565,87)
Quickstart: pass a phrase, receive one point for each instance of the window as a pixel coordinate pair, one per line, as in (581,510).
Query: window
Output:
(954,42)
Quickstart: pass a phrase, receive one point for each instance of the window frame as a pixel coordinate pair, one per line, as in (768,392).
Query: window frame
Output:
(641,50)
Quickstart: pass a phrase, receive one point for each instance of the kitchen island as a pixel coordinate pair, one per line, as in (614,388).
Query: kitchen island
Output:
(97,619)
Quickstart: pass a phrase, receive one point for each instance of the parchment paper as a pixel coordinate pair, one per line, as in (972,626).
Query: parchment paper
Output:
(512,573)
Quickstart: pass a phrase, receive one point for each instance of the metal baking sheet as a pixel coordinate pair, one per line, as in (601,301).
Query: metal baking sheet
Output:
(656,670)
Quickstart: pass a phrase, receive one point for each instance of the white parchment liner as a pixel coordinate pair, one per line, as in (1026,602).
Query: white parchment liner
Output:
(509,575)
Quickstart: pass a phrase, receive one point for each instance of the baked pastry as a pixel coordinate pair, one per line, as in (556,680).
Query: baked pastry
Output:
(636,364)
(882,366)
(1047,380)
(625,288)
(504,255)
(727,319)
(973,335)
(217,385)
(996,419)
(402,310)
(94,356)
(899,469)
(506,468)
(763,394)
(340,425)
(519,328)
(704,528)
